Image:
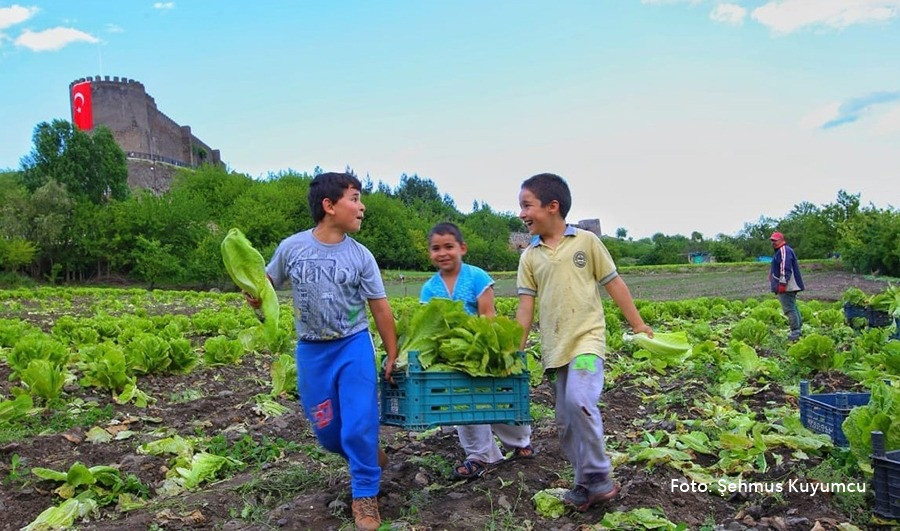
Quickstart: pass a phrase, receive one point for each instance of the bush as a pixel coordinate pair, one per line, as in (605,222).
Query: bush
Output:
(868,241)
(15,280)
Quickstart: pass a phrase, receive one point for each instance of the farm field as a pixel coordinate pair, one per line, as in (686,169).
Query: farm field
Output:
(189,369)
(823,282)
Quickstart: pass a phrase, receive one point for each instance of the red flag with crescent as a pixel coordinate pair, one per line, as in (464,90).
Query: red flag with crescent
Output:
(82,114)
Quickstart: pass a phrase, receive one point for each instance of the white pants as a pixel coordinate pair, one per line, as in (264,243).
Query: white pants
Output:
(479,444)
(578,420)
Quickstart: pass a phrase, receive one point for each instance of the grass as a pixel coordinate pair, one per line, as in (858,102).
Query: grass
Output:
(853,504)
(251,452)
(55,421)
(261,494)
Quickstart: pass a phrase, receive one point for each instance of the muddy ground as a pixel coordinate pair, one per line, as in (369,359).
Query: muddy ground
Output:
(307,489)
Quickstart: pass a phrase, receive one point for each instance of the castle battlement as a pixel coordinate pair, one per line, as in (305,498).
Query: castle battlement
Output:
(142,131)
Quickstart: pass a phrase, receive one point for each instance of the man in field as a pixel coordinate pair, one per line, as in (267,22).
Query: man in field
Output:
(786,281)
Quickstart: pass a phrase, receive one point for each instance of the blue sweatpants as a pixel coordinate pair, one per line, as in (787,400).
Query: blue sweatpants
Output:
(338,393)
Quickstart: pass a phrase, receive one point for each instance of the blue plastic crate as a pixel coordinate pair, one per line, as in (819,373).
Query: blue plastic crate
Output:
(826,412)
(419,400)
(886,481)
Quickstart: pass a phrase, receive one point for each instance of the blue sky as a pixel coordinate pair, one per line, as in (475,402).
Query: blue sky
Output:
(663,115)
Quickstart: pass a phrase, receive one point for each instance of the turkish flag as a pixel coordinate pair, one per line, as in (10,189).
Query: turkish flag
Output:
(82,114)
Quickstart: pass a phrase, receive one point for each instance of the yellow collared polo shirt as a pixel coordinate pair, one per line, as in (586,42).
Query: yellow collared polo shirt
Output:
(566,282)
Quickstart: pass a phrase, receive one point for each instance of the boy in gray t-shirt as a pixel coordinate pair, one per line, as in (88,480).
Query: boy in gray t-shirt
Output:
(332,277)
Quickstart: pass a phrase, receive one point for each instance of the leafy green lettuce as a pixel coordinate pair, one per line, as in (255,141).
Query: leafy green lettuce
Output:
(549,503)
(882,413)
(662,350)
(448,338)
(247,269)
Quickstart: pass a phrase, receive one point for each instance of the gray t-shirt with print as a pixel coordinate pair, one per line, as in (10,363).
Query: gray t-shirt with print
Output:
(330,283)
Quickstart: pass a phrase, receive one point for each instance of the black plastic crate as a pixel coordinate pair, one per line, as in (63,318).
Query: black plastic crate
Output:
(419,399)
(886,481)
(825,413)
(852,311)
(878,318)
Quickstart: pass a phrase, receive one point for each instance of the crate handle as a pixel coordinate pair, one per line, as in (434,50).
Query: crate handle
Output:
(842,400)
(877,444)
(412,362)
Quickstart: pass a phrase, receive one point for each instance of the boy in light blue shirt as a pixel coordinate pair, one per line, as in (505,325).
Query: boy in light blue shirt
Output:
(458,281)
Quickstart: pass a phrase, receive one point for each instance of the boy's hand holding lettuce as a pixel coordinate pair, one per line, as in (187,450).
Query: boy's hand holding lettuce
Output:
(448,338)
(663,349)
(247,269)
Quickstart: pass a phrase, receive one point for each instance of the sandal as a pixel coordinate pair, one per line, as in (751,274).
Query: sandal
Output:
(469,469)
(526,452)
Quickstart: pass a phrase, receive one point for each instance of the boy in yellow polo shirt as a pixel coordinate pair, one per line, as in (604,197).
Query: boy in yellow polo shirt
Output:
(563,268)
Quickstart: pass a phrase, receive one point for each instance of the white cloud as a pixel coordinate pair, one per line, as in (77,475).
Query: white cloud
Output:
(52,39)
(888,123)
(821,116)
(15,14)
(164,5)
(786,16)
(728,14)
(114,28)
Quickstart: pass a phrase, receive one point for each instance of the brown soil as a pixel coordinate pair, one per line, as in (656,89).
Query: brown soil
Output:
(417,492)
(414,491)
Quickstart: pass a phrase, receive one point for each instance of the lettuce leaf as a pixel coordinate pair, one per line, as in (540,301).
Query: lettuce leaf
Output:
(447,338)
(247,269)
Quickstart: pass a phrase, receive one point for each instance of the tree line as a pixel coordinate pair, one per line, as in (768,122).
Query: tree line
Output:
(67,215)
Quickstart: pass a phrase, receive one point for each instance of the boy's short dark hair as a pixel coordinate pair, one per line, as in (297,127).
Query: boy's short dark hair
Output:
(329,185)
(549,187)
(446,228)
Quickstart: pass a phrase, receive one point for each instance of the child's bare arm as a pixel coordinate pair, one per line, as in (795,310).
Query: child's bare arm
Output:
(486,303)
(384,321)
(525,316)
(618,290)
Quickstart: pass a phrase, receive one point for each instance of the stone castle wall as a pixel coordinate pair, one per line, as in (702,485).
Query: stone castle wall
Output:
(144,132)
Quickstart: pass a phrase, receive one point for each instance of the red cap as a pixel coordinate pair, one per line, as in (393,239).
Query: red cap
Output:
(776,236)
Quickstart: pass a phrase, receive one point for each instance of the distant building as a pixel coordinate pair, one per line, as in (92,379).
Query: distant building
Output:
(592,225)
(521,240)
(154,144)
(700,258)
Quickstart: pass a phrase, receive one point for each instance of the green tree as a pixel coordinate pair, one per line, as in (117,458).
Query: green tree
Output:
(389,231)
(870,241)
(270,211)
(154,261)
(211,186)
(16,253)
(90,165)
(753,238)
(49,213)
(724,250)
(808,231)
(666,250)
(487,238)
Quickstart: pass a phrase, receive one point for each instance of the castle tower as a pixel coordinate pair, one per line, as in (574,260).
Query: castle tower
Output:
(142,131)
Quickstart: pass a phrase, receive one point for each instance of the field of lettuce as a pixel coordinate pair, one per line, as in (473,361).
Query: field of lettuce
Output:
(135,409)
